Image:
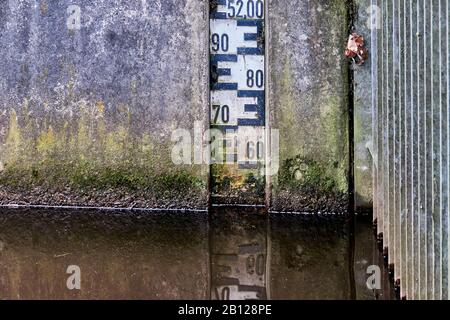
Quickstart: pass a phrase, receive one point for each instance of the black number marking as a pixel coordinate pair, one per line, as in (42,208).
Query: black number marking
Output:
(240,3)
(255,78)
(259,9)
(250,9)
(220,42)
(223,112)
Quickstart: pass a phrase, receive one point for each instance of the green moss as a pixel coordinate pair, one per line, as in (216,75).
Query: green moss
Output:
(324,156)
(286,121)
(313,123)
(177,182)
(256,183)
(335,141)
(89,155)
(303,174)
(12,148)
(85,176)
(46,142)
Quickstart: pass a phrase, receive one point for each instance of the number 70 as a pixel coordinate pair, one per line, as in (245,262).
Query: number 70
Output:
(223,112)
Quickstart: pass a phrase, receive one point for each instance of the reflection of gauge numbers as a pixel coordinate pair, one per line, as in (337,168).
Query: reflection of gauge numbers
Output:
(238,105)
(239,277)
(256,265)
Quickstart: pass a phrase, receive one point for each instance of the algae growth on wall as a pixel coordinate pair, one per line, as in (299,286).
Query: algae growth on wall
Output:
(308,104)
(90,93)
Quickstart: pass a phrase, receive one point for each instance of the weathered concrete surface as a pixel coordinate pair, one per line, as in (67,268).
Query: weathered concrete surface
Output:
(412,184)
(308,103)
(120,255)
(88,104)
(363,142)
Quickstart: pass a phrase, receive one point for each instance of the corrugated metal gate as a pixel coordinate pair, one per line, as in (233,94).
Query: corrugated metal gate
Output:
(410,73)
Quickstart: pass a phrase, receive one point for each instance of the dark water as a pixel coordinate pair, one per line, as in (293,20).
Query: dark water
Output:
(227,255)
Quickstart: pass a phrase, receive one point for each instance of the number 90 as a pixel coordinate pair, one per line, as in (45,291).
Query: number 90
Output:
(220,42)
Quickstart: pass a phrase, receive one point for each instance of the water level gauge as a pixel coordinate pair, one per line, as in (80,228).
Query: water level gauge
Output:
(237,106)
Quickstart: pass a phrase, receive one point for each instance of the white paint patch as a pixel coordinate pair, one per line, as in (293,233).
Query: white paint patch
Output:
(236,105)
(235,34)
(238,84)
(240,70)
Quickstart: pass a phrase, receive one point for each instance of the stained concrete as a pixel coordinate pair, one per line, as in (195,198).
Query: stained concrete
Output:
(363,141)
(88,105)
(89,96)
(308,103)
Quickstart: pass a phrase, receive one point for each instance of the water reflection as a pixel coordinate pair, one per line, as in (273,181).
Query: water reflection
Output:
(311,258)
(238,256)
(122,255)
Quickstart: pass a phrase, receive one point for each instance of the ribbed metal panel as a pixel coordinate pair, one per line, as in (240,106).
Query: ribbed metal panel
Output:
(411,142)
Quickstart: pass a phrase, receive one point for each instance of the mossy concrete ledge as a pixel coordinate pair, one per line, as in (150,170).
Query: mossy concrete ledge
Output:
(90,94)
(308,102)
(363,89)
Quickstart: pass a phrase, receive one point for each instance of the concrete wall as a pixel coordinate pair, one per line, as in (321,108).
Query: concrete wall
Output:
(412,143)
(308,90)
(90,93)
(363,142)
